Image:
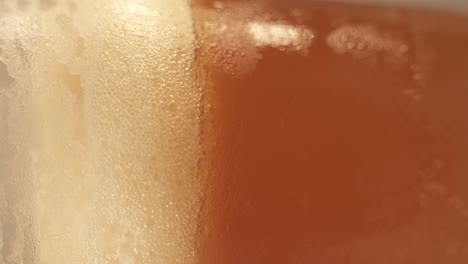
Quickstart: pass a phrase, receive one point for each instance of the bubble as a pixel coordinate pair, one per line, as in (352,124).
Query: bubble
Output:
(453,250)
(5,78)
(423,200)
(456,202)
(367,43)
(435,189)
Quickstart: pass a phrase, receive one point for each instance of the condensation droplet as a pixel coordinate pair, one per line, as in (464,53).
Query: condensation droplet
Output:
(438,164)
(456,202)
(5,78)
(219,5)
(423,200)
(435,189)
(453,250)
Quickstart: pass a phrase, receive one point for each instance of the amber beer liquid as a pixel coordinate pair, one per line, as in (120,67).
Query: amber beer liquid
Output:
(332,133)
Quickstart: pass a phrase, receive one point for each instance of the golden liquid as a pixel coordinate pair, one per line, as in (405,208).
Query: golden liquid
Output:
(352,149)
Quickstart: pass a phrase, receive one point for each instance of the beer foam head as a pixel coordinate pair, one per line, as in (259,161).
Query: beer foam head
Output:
(103,127)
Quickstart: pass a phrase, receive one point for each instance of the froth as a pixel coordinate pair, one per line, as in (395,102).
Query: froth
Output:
(103,132)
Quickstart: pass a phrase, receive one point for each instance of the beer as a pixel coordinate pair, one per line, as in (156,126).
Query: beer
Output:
(163,131)
(332,133)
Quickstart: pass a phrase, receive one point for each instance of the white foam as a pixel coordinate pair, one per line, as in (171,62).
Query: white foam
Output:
(103,132)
